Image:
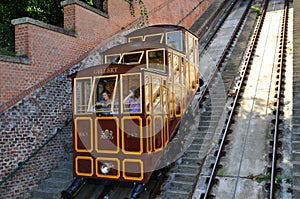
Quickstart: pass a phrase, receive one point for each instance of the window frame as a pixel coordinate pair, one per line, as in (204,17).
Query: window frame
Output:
(164,59)
(181,42)
(130,53)
(75,95)
(153,35)
(106,56)
(135,37)
(122,93)
(93,97)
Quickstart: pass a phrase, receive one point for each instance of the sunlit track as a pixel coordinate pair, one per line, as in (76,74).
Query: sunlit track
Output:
(217,166)
(210,181)
(279,96)
(185,172)
(210,27)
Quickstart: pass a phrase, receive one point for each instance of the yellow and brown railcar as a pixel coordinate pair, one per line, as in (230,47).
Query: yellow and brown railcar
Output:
(115,143)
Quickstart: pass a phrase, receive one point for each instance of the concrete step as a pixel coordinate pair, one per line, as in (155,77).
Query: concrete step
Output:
(185,177)
(62,173)
(47,193)
(54,182)
(188,169)
(182,186)
(177,194)
(66,164)
(60,178)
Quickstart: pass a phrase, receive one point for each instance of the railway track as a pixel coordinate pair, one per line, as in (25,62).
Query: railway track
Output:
(182,182)
(235,191)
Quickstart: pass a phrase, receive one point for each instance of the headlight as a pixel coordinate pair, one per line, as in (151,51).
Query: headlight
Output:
(105,168)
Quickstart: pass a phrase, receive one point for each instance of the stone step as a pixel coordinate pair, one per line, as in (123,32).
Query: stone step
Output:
(192,154)
(66,164)
(60,178)
(185,177)
(47,193)
(208,123)
(177,194)
(182,186)
(195,147)
(55,183)
(191,162)
(62,173)
(188,169)
(296,145)
(296,137)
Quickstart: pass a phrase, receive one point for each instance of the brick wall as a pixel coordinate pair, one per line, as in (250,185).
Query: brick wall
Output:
(35,91)
(51,48)
(28,125)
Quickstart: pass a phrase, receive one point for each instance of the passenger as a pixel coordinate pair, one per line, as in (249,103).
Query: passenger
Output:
(133,99)
(105,102)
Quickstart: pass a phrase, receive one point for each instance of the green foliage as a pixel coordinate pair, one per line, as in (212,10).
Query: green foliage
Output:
(288,179)
(251,176)
(260,178)
(48,11)
(221,172)
(6,38)
(256,9)
(278,179)
(143,11)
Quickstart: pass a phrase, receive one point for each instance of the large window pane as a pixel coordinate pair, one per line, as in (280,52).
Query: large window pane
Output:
(191,50)
(105,98)
(112,59)
(174,39)
(156,38)
(156,59)
(132,58)
(82,94)
(156,95)
(148,93)
(165,97)
(177,69)
(135,39)
(131,93)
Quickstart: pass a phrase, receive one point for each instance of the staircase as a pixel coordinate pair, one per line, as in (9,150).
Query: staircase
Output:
(60,178)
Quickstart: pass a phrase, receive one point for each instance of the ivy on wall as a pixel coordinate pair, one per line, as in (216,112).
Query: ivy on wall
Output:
(143,11)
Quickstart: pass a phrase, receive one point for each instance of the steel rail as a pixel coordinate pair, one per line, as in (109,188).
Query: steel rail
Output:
(218,25)
(242,79)
(278,106)
(224,54)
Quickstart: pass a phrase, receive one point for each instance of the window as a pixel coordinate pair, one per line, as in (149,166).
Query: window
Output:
(157,38)
(82,93)
(131,93)
(177,69)
(112,59)
(177,82)
(174,40)
(148,93)
(156,95)
(135,39)
(192,50)
(105,96)
(191,71)
(132,58)
(156,59)
(165,97)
